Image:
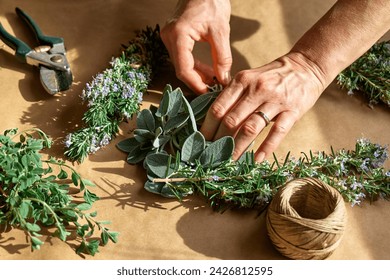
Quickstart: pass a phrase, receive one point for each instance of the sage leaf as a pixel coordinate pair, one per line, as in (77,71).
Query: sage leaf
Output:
(162,110)
(143,135)
(127,145)
(145,120)
(153,187)
(175,122)
(187,107)
(160,142)
(201,104)
(193,147)
(159,164)
(217,152)
(175,102)
(159,188)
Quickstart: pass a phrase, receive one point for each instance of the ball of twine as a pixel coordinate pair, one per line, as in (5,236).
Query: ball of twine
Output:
(306,219)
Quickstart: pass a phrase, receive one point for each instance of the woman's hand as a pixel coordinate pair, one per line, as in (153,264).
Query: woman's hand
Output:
(283,90)
(195,21)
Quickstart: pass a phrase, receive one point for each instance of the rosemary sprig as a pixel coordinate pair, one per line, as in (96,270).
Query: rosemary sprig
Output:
(35,193)
(370,74)
(115,94)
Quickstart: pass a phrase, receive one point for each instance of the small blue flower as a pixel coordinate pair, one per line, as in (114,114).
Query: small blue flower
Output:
(68,140)
(105,140)
(215,178)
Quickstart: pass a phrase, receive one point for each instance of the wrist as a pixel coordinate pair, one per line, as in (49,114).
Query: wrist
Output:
(311,68)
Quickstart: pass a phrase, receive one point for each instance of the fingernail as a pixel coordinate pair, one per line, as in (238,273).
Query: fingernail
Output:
(226,78)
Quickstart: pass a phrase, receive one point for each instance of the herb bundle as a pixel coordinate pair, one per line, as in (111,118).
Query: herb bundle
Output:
(36,193)
(193,165)
(370,74)
(115,94)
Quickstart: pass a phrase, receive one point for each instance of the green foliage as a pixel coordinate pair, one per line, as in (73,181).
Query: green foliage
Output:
(115,94)
(370,74)
(35,193)
(169,125)
(190,164)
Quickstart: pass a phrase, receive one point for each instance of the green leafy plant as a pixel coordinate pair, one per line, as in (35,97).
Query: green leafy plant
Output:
(169,124)
(193,165)
(37,193)
(370,74)
(115,95)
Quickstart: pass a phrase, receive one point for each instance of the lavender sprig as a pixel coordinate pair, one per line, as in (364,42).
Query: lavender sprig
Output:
(115,95)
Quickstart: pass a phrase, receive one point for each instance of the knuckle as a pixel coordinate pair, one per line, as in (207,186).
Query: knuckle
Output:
(242,76)
(230,122)
(217,110)
(280,130)
(250,129)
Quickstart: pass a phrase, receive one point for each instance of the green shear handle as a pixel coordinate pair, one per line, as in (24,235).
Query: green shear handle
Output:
(21,48)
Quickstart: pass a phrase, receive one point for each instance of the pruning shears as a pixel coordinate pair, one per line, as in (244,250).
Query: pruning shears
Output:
(49,56)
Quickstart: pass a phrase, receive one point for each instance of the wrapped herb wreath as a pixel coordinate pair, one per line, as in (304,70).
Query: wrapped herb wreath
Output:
(370,74)
(36,193)
(179,161)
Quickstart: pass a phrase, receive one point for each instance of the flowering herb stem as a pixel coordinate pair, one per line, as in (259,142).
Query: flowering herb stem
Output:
(370,74)
(115,95)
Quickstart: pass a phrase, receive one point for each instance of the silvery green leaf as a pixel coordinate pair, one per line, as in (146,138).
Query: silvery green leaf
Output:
(167,88)
(201,104)
(127,145)
(217,152)
(159,164)
(143,135)
(145,120)
(159,188)
(193,147)
(161,141)
(136,154)
(153,187)
(158,131)
(176,121)
(180,137)
(175,102)
(187,107)
(166,191)
(162,110)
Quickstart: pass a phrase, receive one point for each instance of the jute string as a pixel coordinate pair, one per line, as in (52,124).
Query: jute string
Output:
(306,219)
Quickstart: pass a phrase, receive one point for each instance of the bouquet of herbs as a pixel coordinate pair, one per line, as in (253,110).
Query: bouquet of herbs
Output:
(370,74)
(37,192)
(179,161)
(115,94)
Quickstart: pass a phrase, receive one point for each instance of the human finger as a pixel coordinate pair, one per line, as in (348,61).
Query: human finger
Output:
(251,128)
(283,124)
(222,55)
(180,51)
(205,71)
(223,103)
